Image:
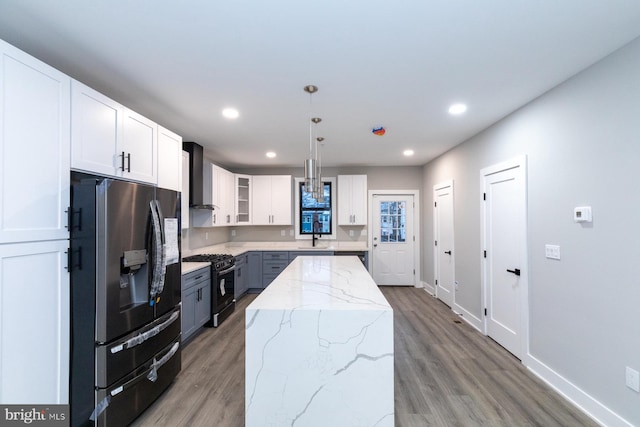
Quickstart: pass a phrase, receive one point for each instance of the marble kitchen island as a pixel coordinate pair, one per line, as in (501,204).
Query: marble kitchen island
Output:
(319,348)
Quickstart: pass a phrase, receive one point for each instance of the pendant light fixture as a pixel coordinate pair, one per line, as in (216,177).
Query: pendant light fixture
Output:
(310,167)
(319,189)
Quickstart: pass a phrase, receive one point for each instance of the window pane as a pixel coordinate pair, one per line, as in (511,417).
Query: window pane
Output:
(315,216)
(392,222)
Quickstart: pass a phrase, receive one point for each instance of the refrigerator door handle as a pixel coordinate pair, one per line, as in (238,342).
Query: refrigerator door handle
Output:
(158,254)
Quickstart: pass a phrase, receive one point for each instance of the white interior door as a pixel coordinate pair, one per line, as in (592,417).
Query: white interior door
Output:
(444,253)
(505,262)
(393,240)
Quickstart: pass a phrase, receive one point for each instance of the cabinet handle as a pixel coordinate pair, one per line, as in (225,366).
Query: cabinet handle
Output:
(214,218)
(71,224)
(70,264)
(228,219)
(128,156)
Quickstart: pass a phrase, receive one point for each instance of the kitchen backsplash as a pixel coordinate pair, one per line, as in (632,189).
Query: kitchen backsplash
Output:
(195,238)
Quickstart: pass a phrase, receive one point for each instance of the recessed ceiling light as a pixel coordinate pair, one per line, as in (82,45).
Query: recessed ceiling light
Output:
(271,154)
(457,109)
(408,152)
(230,113)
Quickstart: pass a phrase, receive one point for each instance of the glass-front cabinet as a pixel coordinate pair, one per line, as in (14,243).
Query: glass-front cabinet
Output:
(243,199)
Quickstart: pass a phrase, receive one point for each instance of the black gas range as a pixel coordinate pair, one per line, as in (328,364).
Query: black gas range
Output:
(222,285)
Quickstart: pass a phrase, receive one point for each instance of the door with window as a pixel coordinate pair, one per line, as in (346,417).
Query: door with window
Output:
(393,240)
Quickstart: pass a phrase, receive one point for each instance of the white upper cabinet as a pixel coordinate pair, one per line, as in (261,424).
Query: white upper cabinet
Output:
(243,191)
(138,154)
(352,199)
(109,139)
(227,196)
(271,200)
(184,198)
(34,148)
(170,162)
(96,130)
(217,185)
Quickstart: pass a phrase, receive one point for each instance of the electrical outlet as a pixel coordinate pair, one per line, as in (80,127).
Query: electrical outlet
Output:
(233,233)
(283,233)
(291,232)
(552,251)
(632,379)
(350,233)
(206,235)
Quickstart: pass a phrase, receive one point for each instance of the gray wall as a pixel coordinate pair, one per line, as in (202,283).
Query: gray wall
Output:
(582,141)
(378,178)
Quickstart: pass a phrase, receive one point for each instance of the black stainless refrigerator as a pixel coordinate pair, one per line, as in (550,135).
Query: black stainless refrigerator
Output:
(125,298)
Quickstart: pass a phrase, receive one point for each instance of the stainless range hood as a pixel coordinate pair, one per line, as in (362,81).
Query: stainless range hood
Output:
(196,188)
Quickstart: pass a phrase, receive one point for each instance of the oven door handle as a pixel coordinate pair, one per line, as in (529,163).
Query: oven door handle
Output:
(228,270)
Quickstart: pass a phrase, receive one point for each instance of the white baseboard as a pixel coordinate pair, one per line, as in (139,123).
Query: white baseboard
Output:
(468,317)
(587,404)
(429,288)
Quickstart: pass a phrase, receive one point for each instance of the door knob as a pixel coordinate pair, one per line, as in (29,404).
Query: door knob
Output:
(447,252)
(375,245)
(516,271)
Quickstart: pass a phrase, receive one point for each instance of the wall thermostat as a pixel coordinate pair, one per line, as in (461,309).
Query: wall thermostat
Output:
(582,214)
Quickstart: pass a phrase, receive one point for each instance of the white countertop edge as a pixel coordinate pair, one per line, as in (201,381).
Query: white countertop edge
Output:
(239,248)
(189,267)
(322,283)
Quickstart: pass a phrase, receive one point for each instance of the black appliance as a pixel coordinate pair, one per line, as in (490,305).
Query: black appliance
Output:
(196,176)
(125,298)
(222,285)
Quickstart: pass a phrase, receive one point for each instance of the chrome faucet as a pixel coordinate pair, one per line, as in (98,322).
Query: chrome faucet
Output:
(313,234)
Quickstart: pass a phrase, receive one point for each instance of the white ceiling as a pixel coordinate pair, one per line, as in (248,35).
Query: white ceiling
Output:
(399,64)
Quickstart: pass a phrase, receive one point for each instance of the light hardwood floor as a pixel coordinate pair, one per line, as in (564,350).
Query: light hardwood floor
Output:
(446,374)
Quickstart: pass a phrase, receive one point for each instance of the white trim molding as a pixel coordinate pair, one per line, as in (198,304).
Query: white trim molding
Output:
(578,397)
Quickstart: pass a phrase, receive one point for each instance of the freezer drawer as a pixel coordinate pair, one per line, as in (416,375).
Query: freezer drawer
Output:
(120,357)
(121,403)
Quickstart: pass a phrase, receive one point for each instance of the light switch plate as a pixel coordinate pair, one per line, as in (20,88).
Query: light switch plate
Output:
(552,251)
(632,379)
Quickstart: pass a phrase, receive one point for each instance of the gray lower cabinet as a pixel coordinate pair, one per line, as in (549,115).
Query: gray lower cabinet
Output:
(273,262)
(263,267)
(196,301)
(254,271)
(241,284)
(294,254)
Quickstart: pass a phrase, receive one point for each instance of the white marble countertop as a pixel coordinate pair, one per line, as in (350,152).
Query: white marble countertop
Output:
(322,283)
(319,348)
(238,248)
(188,267)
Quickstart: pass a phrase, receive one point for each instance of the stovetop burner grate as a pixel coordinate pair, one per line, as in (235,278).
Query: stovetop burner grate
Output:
(218,261)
